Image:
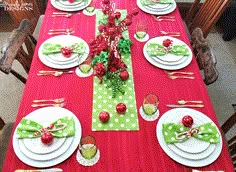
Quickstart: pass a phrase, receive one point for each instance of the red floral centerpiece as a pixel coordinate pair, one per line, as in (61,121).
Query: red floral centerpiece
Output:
(107,47)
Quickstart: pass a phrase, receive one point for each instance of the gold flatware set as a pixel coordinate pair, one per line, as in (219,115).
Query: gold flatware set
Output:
(186,103)
(41,170)
(164,18)
(61,14)
(54,73)
(58,102)
(69,31)
(183,75)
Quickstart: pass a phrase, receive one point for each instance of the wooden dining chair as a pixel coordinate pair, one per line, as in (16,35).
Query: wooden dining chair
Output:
(230,125)
(205,58)
(20,46)
(205,15)
(5,134)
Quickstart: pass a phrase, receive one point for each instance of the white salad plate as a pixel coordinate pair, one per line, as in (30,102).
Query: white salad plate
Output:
(63,62)
(45,116)
(194,153)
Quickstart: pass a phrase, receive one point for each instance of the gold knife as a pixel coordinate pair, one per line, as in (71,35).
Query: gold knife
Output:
(180,106)
(41,170)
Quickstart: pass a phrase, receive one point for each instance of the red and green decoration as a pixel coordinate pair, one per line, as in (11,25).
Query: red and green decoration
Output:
(109,45)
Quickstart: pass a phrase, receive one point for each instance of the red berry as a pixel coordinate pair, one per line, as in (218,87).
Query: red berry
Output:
(135,11)
(121,108)
(124,75)
(104,116)
(128,21)
(47,138)
(187,121)
(117,15)
(106,1)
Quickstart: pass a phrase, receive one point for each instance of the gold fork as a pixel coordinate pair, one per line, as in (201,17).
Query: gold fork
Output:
(49,104)
(172,73)
(58,100)
(184,77)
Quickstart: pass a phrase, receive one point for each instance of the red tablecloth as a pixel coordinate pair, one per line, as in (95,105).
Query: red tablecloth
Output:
(123,150)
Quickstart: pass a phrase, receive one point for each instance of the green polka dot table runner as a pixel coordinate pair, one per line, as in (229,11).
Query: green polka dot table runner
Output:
(103,100)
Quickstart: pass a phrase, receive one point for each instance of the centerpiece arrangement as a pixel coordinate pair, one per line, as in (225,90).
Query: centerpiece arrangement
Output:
(114,103)
(109,46)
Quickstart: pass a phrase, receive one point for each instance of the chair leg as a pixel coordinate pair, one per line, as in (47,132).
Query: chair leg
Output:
(2,123)
(20,77)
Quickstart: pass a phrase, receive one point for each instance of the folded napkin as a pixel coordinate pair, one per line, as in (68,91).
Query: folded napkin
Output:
(53,48)
(153,2)
(175,133)
(155,49)
(28,128)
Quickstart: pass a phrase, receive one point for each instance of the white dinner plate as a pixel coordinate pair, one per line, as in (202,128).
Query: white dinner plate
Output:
(161,62)
(49,114)
(66,7)
(200,161)
(64,40)
(160,12)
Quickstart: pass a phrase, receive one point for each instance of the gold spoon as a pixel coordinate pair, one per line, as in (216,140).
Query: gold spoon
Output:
(183,102)
(59,100)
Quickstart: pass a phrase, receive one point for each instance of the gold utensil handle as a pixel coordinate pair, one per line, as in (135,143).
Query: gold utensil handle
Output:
(59,100)
(48,104)
(180,106)
(41,170)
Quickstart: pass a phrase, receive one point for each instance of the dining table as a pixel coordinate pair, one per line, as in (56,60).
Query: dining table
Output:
(133,150)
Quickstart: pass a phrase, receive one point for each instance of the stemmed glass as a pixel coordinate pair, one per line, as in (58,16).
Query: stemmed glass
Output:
(90,9)
(88,148)
(150,104)
(141,31)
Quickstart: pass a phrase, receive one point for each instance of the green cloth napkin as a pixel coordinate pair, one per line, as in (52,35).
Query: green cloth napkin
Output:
(155,49)
(27,128)
(52,48)
(150,2)
(207,132)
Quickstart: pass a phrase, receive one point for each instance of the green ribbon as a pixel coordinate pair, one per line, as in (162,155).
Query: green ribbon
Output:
(53,48)
(124,46)
(28,128)
(154,49)
(152,2)
(176,133)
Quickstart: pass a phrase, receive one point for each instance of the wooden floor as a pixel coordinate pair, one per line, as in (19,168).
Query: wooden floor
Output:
(6,23)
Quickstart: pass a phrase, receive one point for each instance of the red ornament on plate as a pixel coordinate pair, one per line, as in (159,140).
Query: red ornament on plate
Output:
(187,121)
(47,138)
(66,51)
(167,42)
(71,1)
(121,108)
(104,116)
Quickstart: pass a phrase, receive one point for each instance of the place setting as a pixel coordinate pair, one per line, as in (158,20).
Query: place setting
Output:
(70,5)
(47,136)
(167,53)
(157,7)
(189,137)
(63,52)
